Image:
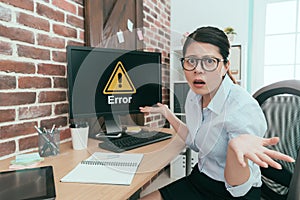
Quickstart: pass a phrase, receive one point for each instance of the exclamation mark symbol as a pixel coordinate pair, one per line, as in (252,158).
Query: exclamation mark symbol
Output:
(120,79)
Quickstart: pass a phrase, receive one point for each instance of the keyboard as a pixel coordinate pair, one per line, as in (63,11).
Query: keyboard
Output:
(131,141)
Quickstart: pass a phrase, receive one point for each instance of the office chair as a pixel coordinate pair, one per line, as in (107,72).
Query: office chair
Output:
(294,192)
(280,103)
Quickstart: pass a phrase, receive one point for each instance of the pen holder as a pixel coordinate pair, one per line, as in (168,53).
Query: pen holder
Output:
(80,134)
(49,143)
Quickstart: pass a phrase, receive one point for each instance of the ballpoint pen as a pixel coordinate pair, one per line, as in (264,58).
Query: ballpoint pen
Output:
(53,128)
(38,130)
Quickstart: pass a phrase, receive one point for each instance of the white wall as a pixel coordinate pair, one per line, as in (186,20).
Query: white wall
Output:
(187,15)
(258,44)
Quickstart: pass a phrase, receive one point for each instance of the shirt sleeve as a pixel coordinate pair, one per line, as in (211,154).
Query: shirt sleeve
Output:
(253,122)
(241,190)
(189,142)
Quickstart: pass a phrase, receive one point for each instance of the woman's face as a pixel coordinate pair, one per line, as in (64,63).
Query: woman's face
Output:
(200,81)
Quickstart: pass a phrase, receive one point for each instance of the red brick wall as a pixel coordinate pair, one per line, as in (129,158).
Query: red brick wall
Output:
(33,87)
(157,33)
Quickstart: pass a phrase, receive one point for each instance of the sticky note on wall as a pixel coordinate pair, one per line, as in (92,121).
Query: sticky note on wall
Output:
(129,25)
(120,36)
(140,34)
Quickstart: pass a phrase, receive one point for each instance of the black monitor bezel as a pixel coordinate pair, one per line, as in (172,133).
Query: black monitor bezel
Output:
(70,78)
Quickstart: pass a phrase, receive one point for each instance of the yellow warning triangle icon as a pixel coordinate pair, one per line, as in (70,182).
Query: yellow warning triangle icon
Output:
(119,82)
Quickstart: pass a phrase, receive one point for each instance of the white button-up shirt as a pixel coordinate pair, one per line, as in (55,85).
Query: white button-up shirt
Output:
(231,112)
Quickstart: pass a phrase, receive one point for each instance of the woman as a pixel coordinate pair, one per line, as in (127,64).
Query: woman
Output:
(224,124)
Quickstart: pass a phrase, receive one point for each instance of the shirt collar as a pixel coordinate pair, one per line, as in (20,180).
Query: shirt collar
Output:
(218,101)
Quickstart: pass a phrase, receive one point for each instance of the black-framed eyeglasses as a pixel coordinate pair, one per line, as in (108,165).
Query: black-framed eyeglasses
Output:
(207,63)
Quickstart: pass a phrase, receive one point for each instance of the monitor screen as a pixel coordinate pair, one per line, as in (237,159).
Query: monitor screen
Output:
(105,81)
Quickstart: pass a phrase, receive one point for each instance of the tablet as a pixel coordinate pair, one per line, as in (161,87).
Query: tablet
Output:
(27,184)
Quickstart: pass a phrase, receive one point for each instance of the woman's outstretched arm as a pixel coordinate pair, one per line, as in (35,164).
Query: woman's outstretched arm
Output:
(176,123)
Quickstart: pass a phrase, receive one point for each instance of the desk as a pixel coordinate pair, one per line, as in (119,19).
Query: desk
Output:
(156,157)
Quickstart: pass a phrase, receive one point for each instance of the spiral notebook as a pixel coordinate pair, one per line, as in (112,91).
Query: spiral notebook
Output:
(105,168)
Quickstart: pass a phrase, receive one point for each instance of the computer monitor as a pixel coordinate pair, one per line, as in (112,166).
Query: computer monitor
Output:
(107,83)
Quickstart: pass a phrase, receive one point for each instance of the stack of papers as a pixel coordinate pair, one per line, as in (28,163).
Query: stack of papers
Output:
(26,161)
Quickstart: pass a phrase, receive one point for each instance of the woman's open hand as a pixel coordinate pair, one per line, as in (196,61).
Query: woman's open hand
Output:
(160,108)
(254,148)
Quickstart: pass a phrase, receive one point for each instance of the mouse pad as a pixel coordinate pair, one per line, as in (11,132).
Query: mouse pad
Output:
(27,184)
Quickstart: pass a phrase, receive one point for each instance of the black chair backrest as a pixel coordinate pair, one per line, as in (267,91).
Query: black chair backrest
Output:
(281,87)
(294,191)
(280,103)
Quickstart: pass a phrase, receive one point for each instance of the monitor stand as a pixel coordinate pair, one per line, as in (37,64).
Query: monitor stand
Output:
(113,130)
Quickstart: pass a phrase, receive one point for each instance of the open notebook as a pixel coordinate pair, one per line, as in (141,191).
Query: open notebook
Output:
(105,168)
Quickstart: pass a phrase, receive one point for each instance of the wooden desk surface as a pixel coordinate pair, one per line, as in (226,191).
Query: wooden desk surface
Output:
(156,157)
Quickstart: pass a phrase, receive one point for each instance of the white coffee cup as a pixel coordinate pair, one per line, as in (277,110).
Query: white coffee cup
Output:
(80,137)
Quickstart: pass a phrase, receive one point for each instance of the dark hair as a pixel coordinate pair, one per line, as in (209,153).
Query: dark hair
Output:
(214,36)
